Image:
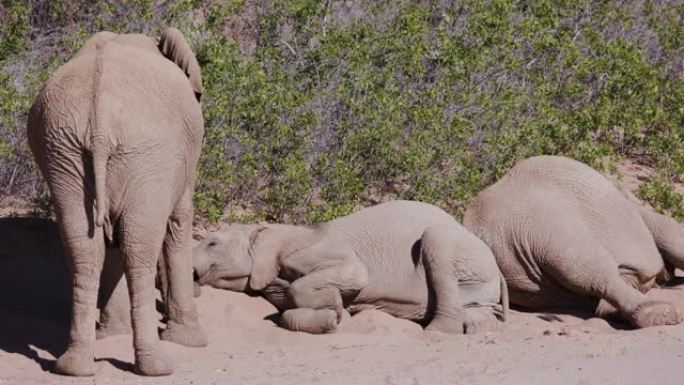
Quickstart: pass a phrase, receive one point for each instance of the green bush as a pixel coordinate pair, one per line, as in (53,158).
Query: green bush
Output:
(660,194)
(314,108)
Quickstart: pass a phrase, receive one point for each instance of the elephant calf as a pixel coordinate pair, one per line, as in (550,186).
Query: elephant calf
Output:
(410,259)
(565,236)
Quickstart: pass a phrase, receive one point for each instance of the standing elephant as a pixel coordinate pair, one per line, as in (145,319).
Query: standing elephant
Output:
(565,236)
(409,259)
(116,132)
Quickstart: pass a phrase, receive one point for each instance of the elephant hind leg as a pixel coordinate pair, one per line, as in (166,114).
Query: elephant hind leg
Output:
(604,309)
(667,234)
(437,250)
(115,308)
(84,244)
(182,326)
(480,320)
(142,233)
(586,267)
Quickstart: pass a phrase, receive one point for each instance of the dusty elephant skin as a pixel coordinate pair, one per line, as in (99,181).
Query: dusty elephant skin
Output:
(409,259)
(116,133)
(565,236)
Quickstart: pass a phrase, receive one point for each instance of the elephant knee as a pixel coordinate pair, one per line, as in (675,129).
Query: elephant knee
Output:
(305,296)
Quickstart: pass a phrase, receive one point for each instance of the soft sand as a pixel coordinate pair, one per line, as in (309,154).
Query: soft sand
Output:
(370,348)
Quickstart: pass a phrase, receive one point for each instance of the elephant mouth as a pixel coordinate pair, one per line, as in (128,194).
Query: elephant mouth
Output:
(231,284)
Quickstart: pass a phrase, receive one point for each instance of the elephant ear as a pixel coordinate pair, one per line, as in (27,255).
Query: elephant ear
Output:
(173,45)
(264,250)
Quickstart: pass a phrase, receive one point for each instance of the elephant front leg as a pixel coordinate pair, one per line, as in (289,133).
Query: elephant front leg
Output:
(314,293)
(182,326)
(437,249)
(318,306)
(314,321)
(317,296)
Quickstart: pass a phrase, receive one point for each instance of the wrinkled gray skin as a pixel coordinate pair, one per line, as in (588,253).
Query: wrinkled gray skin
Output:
(113,299)
(409,259)
(116,132)
(565,236)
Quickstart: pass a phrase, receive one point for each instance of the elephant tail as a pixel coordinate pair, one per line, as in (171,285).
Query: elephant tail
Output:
(505,305)
(99,141)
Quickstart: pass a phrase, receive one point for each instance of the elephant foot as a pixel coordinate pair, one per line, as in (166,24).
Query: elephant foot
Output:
(480,320)
(606,310)
(656,313)
(76,361)
(314,321)
(192,335)
(112,329)
(153,363)
(445,324)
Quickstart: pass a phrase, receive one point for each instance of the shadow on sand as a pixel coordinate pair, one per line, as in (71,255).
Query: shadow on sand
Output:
(34,289)
(673,287)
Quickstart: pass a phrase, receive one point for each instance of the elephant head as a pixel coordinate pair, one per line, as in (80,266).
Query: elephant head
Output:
(238,258)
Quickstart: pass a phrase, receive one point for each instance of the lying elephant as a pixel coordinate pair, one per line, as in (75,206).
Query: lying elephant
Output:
(410,259)
(565,236)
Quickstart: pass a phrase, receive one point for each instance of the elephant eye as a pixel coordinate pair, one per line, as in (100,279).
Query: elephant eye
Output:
(212,243)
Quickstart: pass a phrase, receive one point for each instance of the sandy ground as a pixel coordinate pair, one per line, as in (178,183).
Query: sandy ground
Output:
(370,348)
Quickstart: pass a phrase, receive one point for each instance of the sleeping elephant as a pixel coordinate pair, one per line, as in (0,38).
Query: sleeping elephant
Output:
(565,236)
(409,259)
(116,132)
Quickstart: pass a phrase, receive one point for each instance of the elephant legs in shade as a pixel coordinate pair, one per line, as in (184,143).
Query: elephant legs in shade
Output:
(178,311)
